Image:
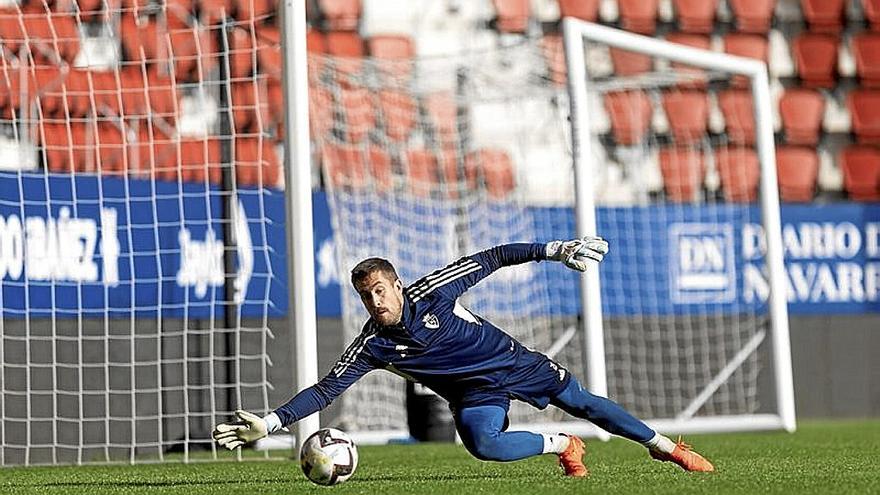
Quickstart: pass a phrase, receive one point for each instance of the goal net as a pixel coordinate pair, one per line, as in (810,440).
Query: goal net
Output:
(430,160)
(141,226)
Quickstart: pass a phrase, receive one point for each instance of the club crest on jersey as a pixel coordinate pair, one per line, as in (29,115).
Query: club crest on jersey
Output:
(431,321)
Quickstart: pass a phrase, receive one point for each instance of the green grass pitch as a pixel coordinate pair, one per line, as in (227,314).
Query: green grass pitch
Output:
(822,457)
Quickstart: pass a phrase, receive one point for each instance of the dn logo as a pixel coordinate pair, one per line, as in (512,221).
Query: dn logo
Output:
(702,268)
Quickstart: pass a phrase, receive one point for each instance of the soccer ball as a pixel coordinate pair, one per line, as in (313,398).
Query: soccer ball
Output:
(328,457)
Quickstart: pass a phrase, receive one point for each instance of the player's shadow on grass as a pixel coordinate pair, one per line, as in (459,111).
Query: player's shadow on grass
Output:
(407,477)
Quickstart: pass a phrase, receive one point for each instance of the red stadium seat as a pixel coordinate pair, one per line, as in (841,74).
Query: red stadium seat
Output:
(824,16)
(554,54)
(254,11)
(154,155)
(177,13)
(816,60)
(352,166)
(638,16)
(866,50)
(395,52)
(496,169)
(320,112)
(871,8)
(421,170)
(630,113)
(348,47)
(65,146)
(269,51)
(753,16)
(275,95)
(200,160)
(797,168)
(316,45)
(683,170)
(696,16)
(153,97)
(687,113)
(627,63)
(802,111)
(110,149)
(50,33)
(864,106)
(142,39)
(341,15)
(693,40)
(104,87)
(256,162)
(241,52)
(213,11)
(11,34)
(441,110)
(587,10)
(188,47)
(746,45)
(399,112)
(739,118)
(740,172)
(861,172)
(250,112)
(512,16)
(359,112)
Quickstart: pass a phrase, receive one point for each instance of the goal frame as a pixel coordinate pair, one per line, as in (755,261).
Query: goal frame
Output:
(575,33)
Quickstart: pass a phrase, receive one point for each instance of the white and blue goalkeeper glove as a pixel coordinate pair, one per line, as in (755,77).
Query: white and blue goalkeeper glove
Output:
(249,428)
(575,253)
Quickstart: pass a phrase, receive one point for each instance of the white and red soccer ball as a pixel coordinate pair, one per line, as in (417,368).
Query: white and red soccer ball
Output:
(328,457)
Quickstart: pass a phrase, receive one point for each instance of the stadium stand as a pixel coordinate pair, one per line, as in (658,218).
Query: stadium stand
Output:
(861,172)
(684,170)
(797,172)
(801,111)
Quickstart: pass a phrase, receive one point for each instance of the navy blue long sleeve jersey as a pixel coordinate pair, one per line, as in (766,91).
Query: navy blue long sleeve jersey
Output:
(438,342)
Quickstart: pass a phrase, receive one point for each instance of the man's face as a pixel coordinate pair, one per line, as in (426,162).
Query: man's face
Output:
(382,296)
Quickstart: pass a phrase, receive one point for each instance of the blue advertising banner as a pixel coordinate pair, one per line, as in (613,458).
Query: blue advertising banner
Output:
(90,246)
(166,254)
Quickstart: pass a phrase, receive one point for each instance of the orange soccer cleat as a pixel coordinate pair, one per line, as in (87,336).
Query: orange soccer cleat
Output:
(572,459)
(685,457)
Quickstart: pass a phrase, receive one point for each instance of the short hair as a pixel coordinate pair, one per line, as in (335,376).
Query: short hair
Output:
(363,269)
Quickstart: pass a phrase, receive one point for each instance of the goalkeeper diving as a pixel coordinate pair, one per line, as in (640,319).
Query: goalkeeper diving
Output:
(424,334)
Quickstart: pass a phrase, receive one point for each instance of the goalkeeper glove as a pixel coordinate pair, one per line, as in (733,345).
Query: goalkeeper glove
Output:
(249,428)
(575,252)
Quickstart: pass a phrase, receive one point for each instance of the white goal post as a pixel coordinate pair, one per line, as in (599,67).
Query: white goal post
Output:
(575,34)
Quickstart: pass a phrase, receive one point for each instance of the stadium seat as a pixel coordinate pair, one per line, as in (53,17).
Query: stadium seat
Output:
(395,53)
(178,13)
(359,111)
(154,97)
(866,50)
(241,52)
(340,15)
(512,16)
(496,169)
(399,113)
(746,45)
(816,59)
(154,155)
(740,172)
(104,87)
(638,16)
(200,160)
(861,172)
(269,51)
(752,16)
(421,169)
(441,111)
(256,162)
(587,10)
(50,32)
(864,106)
(627,63)
(687,113)
(352,166)
(250,106)
(797,169)
(824,16)
(683,170)
(110,147)
(696,16)
(64,144)
(630,113)
(871,9)
(802,111)
(141,38)
(213,11)
(11,35)
(693,40)
(69,98)
(275,95)
(554,54)
(739,118)
(348,47)
(320,112)
(254,11)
